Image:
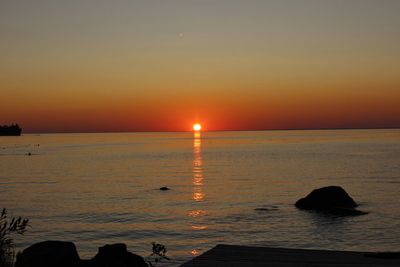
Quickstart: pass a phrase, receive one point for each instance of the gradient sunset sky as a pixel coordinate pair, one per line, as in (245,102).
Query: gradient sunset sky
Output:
(87,66)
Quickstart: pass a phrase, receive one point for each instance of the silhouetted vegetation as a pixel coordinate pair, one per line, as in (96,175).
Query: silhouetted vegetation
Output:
(159,252)
(14,129)
(7,229)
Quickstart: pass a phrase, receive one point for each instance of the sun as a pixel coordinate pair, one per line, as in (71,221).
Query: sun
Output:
(196,127)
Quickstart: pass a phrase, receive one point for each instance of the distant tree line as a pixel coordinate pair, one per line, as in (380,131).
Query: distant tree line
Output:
(13,129)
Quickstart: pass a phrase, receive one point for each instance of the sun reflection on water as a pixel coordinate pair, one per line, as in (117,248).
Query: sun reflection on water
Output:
(198,196)
(199,227)
(194,252)
(198,178)
(196,213)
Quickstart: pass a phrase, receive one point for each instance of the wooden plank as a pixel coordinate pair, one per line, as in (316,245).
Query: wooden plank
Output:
(235,256)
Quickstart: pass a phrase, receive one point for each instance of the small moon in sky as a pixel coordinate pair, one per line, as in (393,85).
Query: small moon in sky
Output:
(181,34)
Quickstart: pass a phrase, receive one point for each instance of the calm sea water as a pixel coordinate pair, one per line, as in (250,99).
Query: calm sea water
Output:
(227,187)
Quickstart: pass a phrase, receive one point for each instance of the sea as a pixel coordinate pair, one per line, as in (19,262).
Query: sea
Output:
(225,188)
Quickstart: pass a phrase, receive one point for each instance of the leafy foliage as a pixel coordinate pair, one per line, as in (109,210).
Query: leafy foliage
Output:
(7,229)
(159,252)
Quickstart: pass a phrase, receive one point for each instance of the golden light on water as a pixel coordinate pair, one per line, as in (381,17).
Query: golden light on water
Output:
(197,222)
(196,213)
(194,252)
(198,178)
(199,227)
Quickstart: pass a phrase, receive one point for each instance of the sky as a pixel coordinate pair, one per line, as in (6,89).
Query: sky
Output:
(101,66)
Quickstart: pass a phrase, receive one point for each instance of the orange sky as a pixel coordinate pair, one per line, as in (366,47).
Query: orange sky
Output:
(231,65)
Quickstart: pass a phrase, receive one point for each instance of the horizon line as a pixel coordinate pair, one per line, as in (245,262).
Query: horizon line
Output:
(227,130)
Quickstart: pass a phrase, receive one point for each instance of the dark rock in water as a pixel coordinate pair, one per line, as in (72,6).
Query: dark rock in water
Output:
(49,254)
(331,199)
(325,198)
(63,254)
(116,255)
(164,188)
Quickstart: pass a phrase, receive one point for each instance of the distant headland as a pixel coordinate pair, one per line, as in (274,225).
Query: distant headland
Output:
(12,130)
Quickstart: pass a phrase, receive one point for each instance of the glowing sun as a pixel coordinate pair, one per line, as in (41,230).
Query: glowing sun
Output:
(196,127)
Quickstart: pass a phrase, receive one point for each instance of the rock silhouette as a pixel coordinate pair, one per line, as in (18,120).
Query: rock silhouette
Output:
(64,254)
(116,255)
(331,199)
(49,254)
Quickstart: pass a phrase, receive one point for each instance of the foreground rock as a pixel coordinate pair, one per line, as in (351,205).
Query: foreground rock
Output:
(49,254)
(64,254)
(331,199)
(116,255)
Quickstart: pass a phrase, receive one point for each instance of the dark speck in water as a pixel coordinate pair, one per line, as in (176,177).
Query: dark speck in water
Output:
(271,208)
(164,188)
